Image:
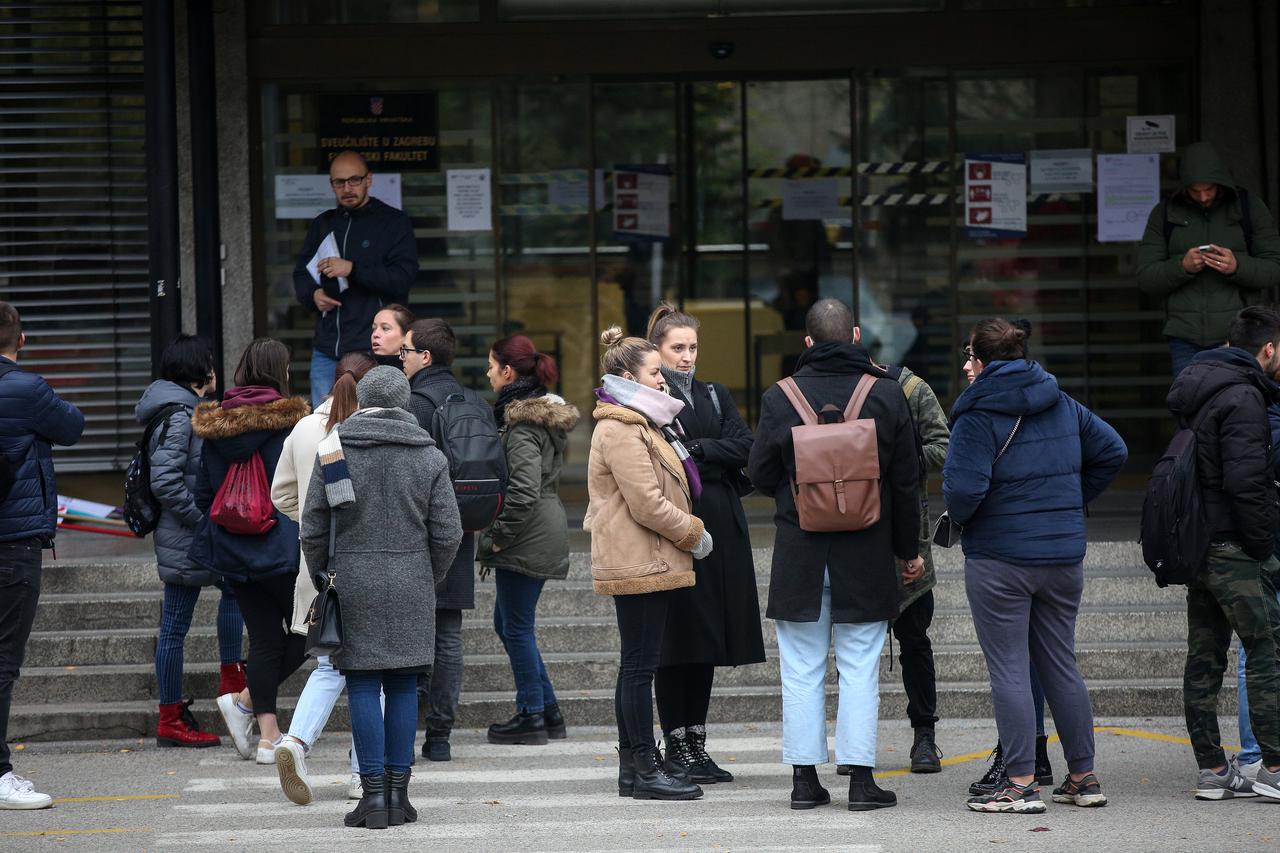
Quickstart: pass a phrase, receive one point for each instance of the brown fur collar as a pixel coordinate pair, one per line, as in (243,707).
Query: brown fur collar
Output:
(548,412)
(614,412)
(212,422)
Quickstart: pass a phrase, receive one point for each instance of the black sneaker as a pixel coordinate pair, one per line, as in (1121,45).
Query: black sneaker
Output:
(1011,798)
(1086,793)
(925,755)
(995,777)
(436,750)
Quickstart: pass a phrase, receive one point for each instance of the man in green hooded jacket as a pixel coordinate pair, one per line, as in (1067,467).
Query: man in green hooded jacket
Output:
(1204,290)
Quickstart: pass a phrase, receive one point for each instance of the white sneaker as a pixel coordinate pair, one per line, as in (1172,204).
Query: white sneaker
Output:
(239,724)
(1248,771)
(19,793)
(291,764)
(354,791)
(266,754)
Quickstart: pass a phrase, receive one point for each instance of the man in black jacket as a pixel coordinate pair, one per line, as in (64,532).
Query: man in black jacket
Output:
(427,354)
(377,259)
(1224,395)
(846,583)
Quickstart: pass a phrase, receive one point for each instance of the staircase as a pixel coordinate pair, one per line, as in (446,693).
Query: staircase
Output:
(88,671)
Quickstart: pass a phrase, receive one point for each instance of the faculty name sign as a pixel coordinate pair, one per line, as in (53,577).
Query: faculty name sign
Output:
(396,131)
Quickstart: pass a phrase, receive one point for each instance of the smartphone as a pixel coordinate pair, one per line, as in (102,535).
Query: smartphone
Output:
(1205,249)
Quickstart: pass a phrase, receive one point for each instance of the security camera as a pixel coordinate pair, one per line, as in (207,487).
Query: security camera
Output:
(721,49)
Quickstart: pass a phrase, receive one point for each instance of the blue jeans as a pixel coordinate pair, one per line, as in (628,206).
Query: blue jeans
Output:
(323,368)
(1181,352)
(175,622)
(513,615)
(384,738)
(802,652)
(324,686)
(1249,749)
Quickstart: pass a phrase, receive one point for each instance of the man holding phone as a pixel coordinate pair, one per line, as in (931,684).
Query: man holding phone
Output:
(1208,251)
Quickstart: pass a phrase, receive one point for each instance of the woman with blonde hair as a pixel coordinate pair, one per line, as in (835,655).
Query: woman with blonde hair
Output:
(644,538)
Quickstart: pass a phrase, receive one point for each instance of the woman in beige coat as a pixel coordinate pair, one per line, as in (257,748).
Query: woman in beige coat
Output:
(644,538)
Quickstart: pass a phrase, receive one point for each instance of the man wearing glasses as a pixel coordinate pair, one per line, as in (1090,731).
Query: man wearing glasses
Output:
(375,265)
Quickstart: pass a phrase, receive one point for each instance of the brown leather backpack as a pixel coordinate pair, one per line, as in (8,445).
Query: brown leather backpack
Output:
(837,483)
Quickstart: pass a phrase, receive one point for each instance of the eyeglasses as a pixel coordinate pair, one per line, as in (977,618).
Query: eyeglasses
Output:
(352,182)
(967,352)
(404,351)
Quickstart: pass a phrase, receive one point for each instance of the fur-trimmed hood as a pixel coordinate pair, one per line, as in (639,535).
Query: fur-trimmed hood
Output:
(549,411)
(214,423)
(613,412)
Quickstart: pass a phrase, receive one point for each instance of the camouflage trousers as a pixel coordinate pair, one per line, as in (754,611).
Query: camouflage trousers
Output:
(1234,593)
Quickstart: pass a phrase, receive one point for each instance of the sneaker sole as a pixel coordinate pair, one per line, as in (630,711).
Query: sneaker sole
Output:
(1221,794)
(1263,789)
(1007,808)
(291,782)
(1084,801)
(35,805)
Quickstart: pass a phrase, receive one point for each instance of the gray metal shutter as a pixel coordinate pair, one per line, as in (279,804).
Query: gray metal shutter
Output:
(73,216)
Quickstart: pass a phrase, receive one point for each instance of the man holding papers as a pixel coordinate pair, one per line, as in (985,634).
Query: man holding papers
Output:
(357,257)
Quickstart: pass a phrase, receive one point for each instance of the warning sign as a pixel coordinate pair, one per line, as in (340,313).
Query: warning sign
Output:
(995,195)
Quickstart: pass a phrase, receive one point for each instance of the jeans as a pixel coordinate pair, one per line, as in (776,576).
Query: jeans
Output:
(919,680)
(1249,749)
(324,686)
(323,368)
(514,608)
(383,737)
(441,687)
(802,652)
(275,652)
(19,594)
(642,619)
(1181,352)
(1025,615)
(175,622)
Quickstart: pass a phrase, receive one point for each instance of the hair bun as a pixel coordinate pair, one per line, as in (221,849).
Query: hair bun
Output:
(1023,325)
(611,337)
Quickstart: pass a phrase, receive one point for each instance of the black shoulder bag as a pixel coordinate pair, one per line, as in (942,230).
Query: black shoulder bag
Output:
(324,618)
(946,534)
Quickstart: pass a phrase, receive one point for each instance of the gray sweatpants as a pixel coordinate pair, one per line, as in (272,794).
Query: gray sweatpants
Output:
(1024,615)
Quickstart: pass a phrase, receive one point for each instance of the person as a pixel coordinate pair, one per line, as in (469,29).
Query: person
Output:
(1223,396)
(528,543)
(289,494)
(1025,459)
(1203,290)
(32,419)
(382,520)
(186,376)
(715,622)
(390,325)
(641,485)
(844,584)
(377,257)
(427,354)
(254,418)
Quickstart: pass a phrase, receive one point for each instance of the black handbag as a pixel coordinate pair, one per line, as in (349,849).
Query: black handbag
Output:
(946,533)
(324,618)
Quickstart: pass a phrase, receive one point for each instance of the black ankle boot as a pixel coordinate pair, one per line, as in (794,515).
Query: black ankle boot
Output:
(925,755)
(371,811)
(806,791)
(652,781)
(522,728)
(399,809)
(555,722)
(678,760)
(994,778)
(865,794)
(626,771)
(1044,770)
(697,740)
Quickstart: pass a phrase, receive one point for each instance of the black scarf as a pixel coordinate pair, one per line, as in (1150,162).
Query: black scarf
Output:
(522,388)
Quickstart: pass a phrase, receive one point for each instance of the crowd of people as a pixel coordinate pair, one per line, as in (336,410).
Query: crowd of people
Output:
(387,494)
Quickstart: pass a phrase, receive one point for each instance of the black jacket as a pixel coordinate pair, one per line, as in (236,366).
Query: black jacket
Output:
(1228,393)
(379,242)
(458,592)
(865,580)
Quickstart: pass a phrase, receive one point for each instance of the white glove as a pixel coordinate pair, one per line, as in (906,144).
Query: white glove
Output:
(703,548)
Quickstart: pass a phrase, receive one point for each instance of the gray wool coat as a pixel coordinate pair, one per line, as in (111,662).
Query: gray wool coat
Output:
(394,544)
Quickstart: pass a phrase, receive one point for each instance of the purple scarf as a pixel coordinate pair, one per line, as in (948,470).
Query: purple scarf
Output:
(659,409)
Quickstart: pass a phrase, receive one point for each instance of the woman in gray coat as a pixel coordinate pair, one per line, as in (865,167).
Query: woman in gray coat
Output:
(385,487)
(173,451)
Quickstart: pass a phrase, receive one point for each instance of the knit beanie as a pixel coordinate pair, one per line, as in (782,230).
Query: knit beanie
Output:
(383,387)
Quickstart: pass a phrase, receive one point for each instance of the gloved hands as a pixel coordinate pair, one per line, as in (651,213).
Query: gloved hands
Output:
(703,548)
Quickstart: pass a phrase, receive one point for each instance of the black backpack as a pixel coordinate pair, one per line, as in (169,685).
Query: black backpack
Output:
(141,509)
(8,470)
(464,430)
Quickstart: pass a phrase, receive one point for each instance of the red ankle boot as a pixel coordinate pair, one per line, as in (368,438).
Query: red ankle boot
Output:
(231,678)
(177,727)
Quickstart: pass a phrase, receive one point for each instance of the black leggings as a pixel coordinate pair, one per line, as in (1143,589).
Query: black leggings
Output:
(641,621)
(684,694)
(275,652)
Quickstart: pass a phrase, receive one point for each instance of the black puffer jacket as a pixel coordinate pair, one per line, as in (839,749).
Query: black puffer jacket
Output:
(1233,436)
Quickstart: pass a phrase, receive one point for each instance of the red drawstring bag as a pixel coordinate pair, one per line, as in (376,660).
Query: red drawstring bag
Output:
(243,502)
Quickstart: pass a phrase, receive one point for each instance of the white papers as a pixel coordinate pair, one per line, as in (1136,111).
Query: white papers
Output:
(470,199)
(1128,188)
(995,191)
(1147,134)
(641,204)
(811,198)
(328,249)
(307,196)
(1066,170)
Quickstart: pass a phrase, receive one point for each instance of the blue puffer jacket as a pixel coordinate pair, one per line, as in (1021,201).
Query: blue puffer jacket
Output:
(32,419)
(1029,510)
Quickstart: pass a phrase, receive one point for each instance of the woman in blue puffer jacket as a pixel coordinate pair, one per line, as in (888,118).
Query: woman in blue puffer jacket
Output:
(1024,461)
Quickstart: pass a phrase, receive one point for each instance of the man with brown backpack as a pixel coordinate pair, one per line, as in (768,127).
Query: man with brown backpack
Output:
(836,447)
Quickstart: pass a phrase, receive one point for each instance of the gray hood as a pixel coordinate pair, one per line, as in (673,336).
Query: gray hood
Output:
(162,393)
(383,426)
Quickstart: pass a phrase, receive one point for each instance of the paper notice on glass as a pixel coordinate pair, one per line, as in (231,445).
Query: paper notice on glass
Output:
(811,198)
(995,187)
(470,199)
(641,204)
(1149,134)
(308,196)
(1067,170)
(1128,188)
(328,249)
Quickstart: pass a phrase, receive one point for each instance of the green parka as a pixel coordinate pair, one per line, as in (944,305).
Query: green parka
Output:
(1199,307)
(935,437)
(531,534)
